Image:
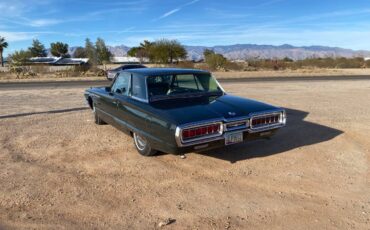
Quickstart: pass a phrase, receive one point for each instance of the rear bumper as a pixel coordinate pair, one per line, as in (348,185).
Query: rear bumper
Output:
(247,136)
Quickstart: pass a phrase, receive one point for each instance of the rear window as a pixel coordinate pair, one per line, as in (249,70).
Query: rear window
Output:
(180,84)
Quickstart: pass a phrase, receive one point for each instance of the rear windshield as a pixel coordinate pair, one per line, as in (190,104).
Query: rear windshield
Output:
(167,86)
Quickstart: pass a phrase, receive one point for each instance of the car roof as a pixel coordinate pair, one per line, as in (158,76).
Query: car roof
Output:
(164,71)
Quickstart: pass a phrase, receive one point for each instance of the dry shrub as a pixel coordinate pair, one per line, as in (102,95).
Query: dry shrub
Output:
(22,72)
(250,68)
(67,73)
(308,63)
(185,64)
(202,66)
(81,71)
(267,64)
(367,64)
(234,66)
(4,75)
(329,63)
(81,68)
(40,69)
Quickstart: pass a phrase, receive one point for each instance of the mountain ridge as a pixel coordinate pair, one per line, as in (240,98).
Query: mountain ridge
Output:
(255,51)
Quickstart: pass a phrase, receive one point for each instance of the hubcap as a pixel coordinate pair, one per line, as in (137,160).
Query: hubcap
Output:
(140,142)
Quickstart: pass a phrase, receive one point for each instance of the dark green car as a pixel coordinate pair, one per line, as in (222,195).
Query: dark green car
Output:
(180,110)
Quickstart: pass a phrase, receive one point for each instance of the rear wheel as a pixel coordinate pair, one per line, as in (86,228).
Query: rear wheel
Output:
(98,120)
(143,146)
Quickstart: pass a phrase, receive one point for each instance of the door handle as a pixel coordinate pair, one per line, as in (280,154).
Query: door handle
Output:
(116,102)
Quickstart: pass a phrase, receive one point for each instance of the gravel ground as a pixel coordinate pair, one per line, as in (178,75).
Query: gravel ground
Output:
(58,170)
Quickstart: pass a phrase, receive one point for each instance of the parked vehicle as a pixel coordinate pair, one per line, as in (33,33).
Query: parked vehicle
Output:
(180,110)
(111,74)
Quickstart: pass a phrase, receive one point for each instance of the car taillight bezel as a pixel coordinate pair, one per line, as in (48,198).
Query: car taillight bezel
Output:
(264,120)
(205,133)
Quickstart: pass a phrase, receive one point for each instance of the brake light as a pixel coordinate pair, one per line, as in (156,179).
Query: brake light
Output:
(267,120)
(201,131)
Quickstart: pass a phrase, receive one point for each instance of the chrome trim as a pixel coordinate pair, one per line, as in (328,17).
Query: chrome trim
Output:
(239,127)
(234,119)
(280,123)
(218,84)
(95,95)
(267,112)
(131,87)
(201,141)
(198,140)
(139,99)
(265,128)
(224,122)
(146,88)
(129,90)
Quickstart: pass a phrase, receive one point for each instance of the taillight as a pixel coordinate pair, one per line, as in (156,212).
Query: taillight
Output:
(201,131)
(267,120)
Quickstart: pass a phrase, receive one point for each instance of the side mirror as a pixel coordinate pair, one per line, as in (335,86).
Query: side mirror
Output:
(108,89)
(120,91)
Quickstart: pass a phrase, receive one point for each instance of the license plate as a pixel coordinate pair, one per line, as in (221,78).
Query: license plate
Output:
(233,138)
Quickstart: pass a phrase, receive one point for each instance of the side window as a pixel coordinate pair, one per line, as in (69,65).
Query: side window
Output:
(188,82)
(138,86)
(121,85)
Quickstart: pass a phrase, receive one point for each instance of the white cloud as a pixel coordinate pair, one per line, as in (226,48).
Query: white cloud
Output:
(169,13)
(17,36)
(17,8)
(165,15)
(43,22)
(15,12)
(12,36)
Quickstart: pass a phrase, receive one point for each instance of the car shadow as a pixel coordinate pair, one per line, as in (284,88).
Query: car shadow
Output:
(43,112)
(295,134)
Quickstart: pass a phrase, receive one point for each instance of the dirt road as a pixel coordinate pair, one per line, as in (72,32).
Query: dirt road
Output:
(58,170)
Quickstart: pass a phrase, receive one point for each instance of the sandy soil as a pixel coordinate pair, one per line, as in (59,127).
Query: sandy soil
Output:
(58,170)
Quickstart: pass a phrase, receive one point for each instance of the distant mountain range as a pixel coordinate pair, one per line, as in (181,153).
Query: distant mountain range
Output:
(249,51)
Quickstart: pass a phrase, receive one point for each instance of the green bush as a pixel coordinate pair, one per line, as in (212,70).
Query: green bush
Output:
(59,49)
(19,58)
(215,61)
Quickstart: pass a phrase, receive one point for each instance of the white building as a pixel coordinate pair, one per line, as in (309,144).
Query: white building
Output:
(128,60)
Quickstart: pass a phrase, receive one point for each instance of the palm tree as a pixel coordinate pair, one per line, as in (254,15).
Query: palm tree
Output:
(3,45)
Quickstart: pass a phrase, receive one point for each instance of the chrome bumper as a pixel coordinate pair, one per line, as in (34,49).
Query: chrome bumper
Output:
(249,129)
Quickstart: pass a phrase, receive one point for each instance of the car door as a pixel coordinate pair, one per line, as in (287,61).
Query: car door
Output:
(104,103)
(137,106)
(121,90)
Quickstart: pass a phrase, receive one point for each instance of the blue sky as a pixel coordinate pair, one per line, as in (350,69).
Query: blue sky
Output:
(341,23)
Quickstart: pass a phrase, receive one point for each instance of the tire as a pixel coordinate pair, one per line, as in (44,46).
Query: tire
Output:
(143,146)
(98,120)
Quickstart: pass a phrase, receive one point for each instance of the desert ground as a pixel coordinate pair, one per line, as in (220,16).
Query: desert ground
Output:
(58,170)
